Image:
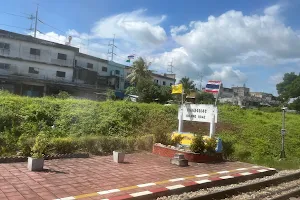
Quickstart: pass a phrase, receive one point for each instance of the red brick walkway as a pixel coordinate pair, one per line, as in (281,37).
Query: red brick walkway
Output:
(72,177)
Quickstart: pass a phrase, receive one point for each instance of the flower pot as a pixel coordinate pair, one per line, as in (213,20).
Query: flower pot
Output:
(35,164)
(118,156)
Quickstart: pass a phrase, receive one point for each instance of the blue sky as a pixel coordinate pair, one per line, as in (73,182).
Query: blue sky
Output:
(252,42)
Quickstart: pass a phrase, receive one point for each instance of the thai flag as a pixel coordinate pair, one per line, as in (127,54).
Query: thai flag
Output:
(213,86)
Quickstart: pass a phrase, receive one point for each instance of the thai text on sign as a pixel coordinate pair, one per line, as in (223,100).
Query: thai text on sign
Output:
(198,112)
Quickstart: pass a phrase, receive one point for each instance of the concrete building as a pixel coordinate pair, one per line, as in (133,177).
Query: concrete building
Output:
(159,79)
(243,97)
(164,79)
(35,67)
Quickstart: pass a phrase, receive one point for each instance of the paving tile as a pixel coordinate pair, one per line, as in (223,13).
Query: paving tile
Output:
(71,177)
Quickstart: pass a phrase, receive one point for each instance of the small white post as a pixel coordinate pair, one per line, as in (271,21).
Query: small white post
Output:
(180,122)
(212,125)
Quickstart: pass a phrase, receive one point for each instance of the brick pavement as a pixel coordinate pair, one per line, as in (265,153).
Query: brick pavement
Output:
(73,177)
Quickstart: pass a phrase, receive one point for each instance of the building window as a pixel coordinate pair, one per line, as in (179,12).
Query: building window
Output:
(31,70)
(75,63)
(60,74)
(104,69)
(156,81)
(164,83)
(36,52)
(117,72)
(4,45)
(90,65)
(171,84)
(4,66)
(62,56)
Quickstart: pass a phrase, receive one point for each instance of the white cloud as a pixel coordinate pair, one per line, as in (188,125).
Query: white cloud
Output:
(276,78)
(134,26)
(235,38)
(229,76)
(178,29)
(273,10)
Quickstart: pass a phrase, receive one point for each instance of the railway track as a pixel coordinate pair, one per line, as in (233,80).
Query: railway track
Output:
(281,186)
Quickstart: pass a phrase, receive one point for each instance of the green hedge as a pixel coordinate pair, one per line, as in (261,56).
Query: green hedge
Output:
(97,145)
(24,117)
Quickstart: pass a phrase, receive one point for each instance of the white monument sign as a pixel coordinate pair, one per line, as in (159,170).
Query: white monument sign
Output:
(198,112)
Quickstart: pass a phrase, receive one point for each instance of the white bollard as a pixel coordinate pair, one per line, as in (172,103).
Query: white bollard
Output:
(180,121)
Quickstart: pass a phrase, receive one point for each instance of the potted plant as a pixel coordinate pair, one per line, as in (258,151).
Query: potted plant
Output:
(118,156)
(36,161)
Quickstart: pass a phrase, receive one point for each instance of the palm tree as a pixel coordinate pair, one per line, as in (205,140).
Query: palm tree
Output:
(187,85)
(139,71)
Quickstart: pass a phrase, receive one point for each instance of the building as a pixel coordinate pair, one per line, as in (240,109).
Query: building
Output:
(35,67)
(159,79)
(243,97)
(164,79)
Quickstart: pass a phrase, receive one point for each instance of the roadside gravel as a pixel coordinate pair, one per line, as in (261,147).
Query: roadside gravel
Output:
(188,195)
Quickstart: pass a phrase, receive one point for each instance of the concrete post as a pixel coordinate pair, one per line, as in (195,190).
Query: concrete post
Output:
(212,125)
(180,121)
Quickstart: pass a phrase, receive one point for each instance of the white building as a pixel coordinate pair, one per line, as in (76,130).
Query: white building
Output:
(159,79)
(35,67)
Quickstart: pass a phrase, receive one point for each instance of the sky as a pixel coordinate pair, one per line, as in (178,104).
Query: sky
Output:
(236,41)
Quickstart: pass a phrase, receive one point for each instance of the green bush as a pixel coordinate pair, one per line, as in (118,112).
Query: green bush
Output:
(40,145)
(25,144)
(177,140)
(63,145)
(197,144)
(210,145)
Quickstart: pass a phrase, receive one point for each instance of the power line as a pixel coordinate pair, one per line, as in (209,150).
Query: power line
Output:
(51,26)
(13,26)
(51,37)
(16,15)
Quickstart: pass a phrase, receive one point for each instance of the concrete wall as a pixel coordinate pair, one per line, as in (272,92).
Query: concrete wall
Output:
(160,80)
(48,54)
(45,71)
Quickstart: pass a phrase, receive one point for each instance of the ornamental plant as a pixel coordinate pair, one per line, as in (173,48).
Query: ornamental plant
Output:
(197,145)
(40,145)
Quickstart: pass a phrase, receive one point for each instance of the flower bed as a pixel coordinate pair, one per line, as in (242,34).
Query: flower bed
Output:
(169,152)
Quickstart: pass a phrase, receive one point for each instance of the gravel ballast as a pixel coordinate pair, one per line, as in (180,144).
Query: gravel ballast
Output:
(188,195)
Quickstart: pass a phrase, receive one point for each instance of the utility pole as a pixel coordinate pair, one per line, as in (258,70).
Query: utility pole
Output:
(36,20)
(171,66)
(201,77)
(283,132)
(112,48)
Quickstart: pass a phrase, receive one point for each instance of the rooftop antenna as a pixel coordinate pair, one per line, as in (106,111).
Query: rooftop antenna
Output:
(112,48)
(36,19)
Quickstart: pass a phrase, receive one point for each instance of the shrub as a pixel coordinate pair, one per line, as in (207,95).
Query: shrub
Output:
(177,140)
(210,145)
(25,144)
(63,145)
(197,144)
(40,145)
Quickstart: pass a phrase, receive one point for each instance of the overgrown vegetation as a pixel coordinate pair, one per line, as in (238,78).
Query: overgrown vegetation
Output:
(99,127)
(62,120)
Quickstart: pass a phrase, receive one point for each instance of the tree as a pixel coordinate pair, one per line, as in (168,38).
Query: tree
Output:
(204,97)
(284,88)
(140,71)
(290,88)
(187,85)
